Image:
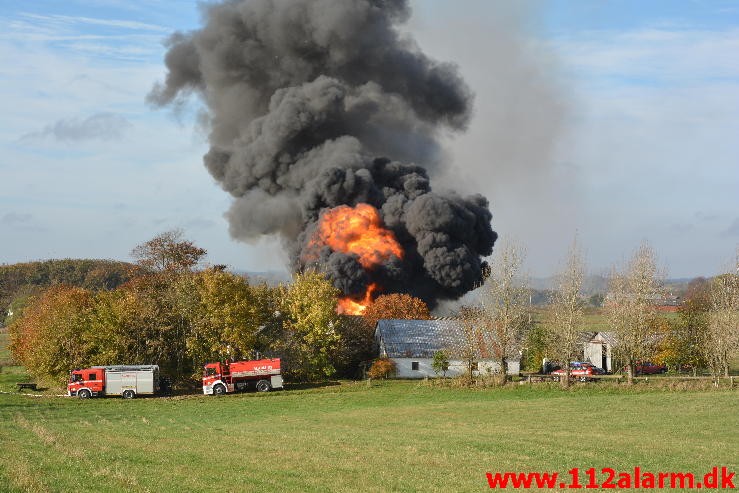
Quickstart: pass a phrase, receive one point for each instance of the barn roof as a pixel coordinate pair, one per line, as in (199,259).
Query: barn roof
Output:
(423,338)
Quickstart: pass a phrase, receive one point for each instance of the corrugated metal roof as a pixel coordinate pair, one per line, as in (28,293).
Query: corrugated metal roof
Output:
(420,338)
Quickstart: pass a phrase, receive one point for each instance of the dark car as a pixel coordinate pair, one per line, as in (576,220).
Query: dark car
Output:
(649,368)
(581,370)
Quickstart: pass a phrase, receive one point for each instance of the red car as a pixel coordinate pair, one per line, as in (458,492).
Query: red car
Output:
(649,368)
(580,370)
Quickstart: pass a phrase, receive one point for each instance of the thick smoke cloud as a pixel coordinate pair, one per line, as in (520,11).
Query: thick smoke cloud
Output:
(318,103)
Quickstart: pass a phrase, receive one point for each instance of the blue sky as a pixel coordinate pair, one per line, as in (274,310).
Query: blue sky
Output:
(612,120)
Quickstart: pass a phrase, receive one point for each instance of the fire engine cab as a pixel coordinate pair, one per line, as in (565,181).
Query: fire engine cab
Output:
(262,375)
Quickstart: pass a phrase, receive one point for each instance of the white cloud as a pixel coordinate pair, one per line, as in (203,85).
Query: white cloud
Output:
(66,20)
(100,126)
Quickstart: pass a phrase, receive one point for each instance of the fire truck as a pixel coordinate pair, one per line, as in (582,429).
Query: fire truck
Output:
(128,381)
(262,375)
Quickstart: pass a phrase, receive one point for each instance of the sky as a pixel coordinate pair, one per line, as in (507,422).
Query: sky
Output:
(615,122)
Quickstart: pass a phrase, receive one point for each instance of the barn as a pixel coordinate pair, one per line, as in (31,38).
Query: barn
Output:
(411,345)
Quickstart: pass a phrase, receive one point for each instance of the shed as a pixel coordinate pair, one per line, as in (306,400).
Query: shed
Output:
(411,345)
(598,348)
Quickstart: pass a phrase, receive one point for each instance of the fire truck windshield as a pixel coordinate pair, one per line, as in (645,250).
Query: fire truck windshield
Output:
(75,378)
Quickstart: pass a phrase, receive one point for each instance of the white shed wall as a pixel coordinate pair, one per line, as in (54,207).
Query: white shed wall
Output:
(456,368)
(593,352)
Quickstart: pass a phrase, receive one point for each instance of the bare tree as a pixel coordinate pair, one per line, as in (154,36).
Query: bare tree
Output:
(470,347)
(630,304)
(565,318)
(721,341)
(504,307)
(168,252)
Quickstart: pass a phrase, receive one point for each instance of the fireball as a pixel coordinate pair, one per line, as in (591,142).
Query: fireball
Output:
(357,230)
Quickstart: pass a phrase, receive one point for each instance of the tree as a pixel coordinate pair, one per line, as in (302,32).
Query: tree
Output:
(168,252)
(504,307)
(396,306)
(596,300)
(357,347)
(311,337)
(630,305)
(440,363)
(52,336)
(382,368)
(565,318)
(684,338)
(224,316)
(722,337)
(534,347)
(472,346)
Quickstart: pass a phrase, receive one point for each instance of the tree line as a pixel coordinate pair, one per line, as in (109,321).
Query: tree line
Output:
(19,281)
(175,315)
(704,335)
(166,310)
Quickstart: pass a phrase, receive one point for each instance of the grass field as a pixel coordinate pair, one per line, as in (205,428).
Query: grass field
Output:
(391,436)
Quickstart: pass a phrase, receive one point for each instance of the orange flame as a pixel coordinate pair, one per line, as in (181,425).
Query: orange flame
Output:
(358,230)
(351,306)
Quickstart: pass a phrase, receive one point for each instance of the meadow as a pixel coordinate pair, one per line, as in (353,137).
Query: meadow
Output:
(351,436)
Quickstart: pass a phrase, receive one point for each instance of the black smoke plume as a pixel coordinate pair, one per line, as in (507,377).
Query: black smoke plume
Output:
(313,104)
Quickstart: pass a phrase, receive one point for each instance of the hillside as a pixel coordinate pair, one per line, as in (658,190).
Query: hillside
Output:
(22,279)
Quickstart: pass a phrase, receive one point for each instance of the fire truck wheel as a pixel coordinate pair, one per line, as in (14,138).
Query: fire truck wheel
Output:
(129,394)
(583,379)
(263,386)
(84,394)
(219,390)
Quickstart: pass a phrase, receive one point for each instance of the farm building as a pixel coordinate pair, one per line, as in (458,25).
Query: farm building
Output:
(598,348)
(411,345)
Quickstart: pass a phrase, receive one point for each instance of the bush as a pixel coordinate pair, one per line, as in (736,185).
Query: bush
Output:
(382,368)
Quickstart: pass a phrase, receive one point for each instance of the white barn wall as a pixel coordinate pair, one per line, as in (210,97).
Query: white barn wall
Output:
(456,368)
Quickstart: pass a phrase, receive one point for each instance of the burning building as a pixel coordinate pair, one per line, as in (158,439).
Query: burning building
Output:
(323,124)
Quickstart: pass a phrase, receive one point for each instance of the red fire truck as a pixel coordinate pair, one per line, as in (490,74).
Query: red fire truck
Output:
(124,380)
(262,375)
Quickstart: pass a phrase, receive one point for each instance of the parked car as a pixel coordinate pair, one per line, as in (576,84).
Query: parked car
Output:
(649,368)
(580,370)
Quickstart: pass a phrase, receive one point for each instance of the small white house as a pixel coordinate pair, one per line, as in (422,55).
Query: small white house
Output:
(411,345)
(598,349)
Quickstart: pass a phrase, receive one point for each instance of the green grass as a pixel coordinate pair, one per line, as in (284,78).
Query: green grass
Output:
(394,436)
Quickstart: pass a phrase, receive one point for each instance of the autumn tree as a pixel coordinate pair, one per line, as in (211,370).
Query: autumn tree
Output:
(504,307)
(168,252)
(224,316)
(630,304)
(722,337)
(396,306)
(382,368)
(52,336)
(311,337)
(565,317)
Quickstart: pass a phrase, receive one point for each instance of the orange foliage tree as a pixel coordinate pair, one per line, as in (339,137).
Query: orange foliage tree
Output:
(398,306)
(49,338)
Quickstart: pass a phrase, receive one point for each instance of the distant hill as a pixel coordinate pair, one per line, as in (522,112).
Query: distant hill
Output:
(17,280)
(272,278)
